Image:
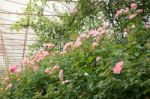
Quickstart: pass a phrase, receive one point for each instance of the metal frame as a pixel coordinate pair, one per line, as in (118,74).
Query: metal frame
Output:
(15,49)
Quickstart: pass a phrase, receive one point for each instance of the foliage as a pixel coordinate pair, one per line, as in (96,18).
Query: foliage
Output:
(51,29)
(126,40)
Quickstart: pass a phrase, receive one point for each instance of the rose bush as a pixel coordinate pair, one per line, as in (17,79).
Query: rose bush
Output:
(98,60)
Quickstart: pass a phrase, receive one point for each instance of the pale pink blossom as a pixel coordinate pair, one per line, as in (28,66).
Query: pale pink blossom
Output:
(69,44)
(132,16)
(119,12)
(18,71)
(77,43)
(133,5)
(8,86)
(45,53)
(40,55)
(65,48)
(60,75)
(92,32)
(27,61)
(117,15)
(139,10)
(5,80)
(35,68)
(48,45)
(65,82)
(48,71)
(127,10)
(12,69)
(94,44)
(118,67)
(98,58)
(56,67)
(82,36)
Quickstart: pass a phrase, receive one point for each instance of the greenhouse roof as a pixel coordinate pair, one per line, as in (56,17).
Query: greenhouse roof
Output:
(13,44)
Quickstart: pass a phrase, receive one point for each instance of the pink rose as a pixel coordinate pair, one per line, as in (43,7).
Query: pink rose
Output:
(82,36)
(27,61)
(18,71)
(35,68)
(133,5)
(8,86)
(139,10)
(45,53)
(94,44)
(92,32)
(132,16)
(13,68)
(118,67)
(69,44)
(119,12)
(117,15)
(48,71)
(126,10)
(65,82)
(65,48)
(40,55)
(5,80)
(77,43)
(56,67)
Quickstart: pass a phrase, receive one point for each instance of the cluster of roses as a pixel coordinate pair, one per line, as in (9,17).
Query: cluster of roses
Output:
(60,74)
(132,12)
(15,71)
(32,63)
(98,34)
(40,55)
(133,7)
